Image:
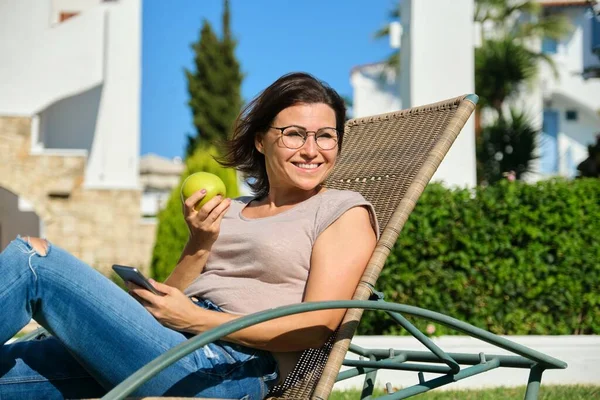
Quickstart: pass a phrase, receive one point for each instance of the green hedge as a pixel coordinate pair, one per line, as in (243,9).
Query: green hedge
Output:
(512,258)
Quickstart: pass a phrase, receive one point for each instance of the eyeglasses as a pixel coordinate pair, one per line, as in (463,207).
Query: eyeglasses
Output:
(294,137)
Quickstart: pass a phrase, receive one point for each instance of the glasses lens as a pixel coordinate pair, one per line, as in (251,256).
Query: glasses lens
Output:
(293,137)
(327,138)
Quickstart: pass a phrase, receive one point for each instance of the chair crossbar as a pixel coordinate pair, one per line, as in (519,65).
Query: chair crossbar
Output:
(454,367)
(506,361)
(426,386)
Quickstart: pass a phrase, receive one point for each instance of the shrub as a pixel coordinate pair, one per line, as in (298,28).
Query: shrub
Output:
(172,233)
(512,258)
(508,145)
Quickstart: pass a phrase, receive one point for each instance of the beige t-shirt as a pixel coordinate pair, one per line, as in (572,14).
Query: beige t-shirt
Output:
(261,263)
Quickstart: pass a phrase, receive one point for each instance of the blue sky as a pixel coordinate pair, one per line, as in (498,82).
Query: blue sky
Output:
(323,37)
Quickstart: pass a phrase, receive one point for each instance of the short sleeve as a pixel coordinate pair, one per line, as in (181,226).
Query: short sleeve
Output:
(336,204)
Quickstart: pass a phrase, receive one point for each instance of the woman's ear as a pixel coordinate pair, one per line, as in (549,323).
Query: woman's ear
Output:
(258,144)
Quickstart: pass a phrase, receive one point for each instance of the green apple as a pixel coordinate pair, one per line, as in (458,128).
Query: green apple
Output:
(202,180)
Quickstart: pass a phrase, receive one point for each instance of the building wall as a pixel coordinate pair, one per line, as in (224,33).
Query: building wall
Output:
(438,64)
(44,64)
(572,57)
(573,136)
(375,90)
(99,226)
(97,52)
(569,91)
(70,6)
(70,123)
(114,160)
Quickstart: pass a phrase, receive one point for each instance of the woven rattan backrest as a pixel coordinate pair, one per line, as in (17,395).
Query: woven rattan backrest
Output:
(389,159)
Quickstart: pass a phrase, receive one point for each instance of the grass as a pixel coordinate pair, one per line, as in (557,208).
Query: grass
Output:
(550,392)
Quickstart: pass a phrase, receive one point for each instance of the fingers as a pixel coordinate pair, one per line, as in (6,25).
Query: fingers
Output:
(191,201)
(217,212)
(209,212)
(210,206)
(141,293)
(161,287)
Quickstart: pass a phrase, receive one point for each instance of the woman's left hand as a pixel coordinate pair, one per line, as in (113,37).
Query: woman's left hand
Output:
(174,310)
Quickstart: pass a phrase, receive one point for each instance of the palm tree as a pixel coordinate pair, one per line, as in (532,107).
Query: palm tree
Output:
(502,66)
(506,146)
(504,62)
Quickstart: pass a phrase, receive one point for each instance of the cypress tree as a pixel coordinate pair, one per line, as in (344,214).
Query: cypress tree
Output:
(215,101)
(214,85)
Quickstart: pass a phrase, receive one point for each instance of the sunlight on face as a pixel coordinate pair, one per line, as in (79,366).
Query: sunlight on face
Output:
(304,168)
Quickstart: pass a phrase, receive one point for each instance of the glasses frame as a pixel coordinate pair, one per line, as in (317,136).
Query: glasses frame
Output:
(314,133)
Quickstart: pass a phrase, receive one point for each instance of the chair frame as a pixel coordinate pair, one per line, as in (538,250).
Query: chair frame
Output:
(447,363)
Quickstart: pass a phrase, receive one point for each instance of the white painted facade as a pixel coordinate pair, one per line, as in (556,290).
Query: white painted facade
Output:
(446,69)
(79,80)
(438,64)
(375,90)
(571,95)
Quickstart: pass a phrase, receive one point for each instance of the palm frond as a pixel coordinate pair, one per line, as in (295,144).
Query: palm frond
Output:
(552,26)
(393,15)
(526,7)
(383,32)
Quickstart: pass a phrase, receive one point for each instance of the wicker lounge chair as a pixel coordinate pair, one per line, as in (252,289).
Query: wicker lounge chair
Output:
(389,158)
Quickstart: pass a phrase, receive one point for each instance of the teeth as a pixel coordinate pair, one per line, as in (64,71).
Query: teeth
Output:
(307,166)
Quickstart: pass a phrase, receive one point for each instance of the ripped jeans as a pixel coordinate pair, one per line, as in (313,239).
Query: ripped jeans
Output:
(101,335)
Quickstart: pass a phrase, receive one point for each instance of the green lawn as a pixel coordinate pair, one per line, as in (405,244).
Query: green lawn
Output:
(546,393)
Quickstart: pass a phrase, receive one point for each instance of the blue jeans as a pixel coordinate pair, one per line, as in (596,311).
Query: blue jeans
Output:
(101,335)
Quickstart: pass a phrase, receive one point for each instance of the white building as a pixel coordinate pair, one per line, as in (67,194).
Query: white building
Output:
(565,109)
(570,105)
(158,176)
(74,66)
(427,76)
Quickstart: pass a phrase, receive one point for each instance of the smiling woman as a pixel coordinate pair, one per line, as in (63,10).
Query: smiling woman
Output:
(292,241)
(294,160)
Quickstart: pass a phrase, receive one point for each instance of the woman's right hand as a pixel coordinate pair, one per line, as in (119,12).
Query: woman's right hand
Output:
(204,224)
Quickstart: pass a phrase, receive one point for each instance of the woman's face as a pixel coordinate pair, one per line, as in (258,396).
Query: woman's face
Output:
(308,166)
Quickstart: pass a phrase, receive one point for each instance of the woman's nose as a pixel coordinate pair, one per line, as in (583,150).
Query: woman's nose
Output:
(310,146)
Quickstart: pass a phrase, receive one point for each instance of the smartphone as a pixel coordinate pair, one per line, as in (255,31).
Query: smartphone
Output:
(130,274)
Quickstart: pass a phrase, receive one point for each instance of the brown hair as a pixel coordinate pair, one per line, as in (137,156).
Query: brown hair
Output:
(257,116)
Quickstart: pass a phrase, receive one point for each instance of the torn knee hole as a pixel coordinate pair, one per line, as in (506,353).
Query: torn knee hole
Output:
(39,245)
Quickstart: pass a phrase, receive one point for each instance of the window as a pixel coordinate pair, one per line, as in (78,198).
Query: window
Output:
(549,46)
(571,115)
(66,15)
(549,143)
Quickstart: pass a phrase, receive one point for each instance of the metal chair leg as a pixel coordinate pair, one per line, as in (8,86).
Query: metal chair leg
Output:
(533,384)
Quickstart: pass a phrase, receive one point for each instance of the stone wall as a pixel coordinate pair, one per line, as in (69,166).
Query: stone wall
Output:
(101,227)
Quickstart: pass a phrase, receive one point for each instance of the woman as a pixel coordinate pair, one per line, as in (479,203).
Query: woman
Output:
(293,241)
